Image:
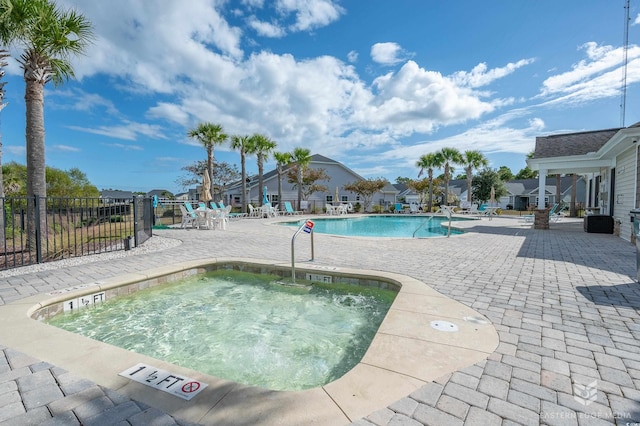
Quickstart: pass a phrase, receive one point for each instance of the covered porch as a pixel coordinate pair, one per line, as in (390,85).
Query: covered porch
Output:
(608,161)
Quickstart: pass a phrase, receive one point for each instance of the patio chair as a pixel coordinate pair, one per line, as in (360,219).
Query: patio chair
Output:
(288,209)
(414,208)
(398,208)
(188,218)
(253,212)
(331,210)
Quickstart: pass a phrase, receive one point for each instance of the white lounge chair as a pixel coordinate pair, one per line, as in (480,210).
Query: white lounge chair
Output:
(253,212)
(188,218)
(471,210)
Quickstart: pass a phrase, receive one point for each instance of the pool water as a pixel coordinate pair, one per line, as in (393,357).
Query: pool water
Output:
(243,327)
(383,226)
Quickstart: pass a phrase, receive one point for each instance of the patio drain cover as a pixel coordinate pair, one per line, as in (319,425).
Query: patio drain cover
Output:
(444,326)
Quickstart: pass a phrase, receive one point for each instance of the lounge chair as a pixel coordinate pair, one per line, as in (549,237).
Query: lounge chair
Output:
(472,210)
(398,208)
(188,218)
(414,208)
(288,209)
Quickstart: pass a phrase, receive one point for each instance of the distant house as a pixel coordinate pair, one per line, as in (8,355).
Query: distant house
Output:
(182,196)
(523,193)
(338,173)
(110,196)
(607,160)
(160,193)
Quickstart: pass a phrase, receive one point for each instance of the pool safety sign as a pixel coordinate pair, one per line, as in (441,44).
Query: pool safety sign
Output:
(165,381)
(308,226)
(84,301)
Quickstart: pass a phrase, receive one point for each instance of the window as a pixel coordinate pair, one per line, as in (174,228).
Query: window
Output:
(329,199)
(344,198)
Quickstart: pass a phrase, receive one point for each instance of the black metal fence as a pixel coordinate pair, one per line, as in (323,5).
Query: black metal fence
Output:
(43,229)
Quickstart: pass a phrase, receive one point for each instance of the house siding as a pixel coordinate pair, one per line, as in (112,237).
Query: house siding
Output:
(624,190)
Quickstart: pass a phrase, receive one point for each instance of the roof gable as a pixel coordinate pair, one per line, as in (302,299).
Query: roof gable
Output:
(572,143)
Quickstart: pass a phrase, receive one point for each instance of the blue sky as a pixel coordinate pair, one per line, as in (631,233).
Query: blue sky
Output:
(373,84)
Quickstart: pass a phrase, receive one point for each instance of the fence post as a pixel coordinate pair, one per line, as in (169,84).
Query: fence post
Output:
(134,202)
(38,229)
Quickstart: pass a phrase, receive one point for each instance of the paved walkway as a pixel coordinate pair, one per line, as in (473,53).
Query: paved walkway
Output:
(565,304)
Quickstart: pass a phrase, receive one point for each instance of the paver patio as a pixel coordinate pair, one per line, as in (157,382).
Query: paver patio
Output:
(565,304)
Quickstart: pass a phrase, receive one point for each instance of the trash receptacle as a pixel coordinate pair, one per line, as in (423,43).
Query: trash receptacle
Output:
(635,219)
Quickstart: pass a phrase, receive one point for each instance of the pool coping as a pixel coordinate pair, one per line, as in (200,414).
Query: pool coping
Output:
(405,354)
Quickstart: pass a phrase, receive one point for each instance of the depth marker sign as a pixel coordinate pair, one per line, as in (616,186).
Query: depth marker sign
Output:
(156,378)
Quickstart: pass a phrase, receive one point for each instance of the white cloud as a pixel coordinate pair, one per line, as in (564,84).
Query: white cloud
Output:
(127,131)
(418,100)
(596,77)
(15,149)
(266,29)
(310,14)
(79,100)
(388,53)
(170,112)
(352,56)
(481,75)
(124,147)
(65,148)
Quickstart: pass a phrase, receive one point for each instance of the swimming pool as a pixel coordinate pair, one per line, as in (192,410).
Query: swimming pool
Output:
(250,328)
(402,226)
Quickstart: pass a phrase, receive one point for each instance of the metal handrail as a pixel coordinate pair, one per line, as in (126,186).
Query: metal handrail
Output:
(443,209)
(293,239)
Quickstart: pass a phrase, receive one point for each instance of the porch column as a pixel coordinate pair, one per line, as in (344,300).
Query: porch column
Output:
(542,182)
(541,215)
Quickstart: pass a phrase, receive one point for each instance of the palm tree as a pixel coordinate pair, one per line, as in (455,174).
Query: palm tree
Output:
(282,160)
(450,157)
(209,135)
(3,63)
(472,160)
(262,148)
(429,161)
(302,158)
(242,144)
(48,37)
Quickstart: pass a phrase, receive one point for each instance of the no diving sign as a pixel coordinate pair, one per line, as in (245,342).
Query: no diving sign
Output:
(174,384)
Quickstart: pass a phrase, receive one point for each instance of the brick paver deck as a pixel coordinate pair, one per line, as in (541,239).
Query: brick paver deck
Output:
(565,304)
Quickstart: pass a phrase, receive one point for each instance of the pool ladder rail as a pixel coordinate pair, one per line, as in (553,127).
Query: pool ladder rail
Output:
(309,230)
(447,210)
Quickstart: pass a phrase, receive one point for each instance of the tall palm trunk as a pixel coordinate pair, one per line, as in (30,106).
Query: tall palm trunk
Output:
(36,176)
(243,167)
(4,54)
(446,184)
(469,182)
(430,190)
(299,187)
(260,180)
(210,168)
(279,168)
